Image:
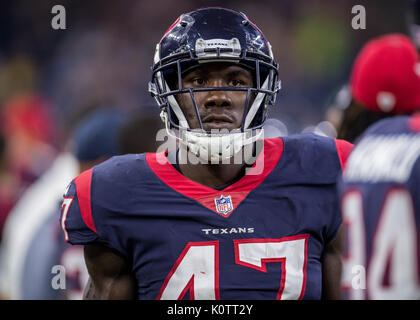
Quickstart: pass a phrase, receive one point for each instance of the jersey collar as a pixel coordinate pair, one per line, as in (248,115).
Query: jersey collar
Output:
(225,201)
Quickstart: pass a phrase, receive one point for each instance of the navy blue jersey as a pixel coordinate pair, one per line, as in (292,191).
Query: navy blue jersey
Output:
(260,238)
(381,211)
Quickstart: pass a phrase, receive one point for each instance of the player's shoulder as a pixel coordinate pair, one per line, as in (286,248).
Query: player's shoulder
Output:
(388,151)
(310,140)
(118,171)
(123,167)
(318,148)
(94,196)
(392,125)
(311,159)
(121,162)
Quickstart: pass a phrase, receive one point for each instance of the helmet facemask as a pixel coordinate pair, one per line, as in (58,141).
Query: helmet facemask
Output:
(167,84)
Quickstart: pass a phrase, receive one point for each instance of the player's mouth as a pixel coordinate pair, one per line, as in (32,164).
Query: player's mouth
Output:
(217,121)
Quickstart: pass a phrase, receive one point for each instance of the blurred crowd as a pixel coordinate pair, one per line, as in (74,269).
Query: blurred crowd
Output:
(50,78)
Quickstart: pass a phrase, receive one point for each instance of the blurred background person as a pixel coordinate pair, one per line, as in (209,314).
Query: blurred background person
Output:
(374,92)
(351,116)
(22,254)
(380,187)
(27,150)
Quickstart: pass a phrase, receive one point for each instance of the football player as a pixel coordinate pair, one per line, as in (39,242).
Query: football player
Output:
(379,192)
(195,222)
(357,116)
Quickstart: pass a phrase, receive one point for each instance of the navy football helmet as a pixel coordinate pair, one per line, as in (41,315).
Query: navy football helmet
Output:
(212,35)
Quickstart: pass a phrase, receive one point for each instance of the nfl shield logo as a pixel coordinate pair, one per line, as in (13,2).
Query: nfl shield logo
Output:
(224,204)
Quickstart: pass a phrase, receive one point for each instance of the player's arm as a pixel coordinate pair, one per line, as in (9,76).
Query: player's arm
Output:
(331,268)
(110,276)
(109,272)
(332,255)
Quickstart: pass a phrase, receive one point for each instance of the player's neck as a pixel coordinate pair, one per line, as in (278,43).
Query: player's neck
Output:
(211,175)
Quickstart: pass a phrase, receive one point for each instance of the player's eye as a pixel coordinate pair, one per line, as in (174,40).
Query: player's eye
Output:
(237,83)
(198,81)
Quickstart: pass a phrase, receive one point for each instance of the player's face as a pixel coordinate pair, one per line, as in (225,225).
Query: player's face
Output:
(217,109)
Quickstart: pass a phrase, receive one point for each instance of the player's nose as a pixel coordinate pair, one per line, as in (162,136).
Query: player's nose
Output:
(217,98)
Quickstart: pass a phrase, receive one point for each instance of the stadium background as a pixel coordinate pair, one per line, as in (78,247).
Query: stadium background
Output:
(103,57)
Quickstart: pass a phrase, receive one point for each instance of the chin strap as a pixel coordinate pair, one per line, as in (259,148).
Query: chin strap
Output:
(213,147)
(219,147)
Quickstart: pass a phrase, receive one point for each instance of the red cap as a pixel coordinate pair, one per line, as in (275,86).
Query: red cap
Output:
(386,75)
